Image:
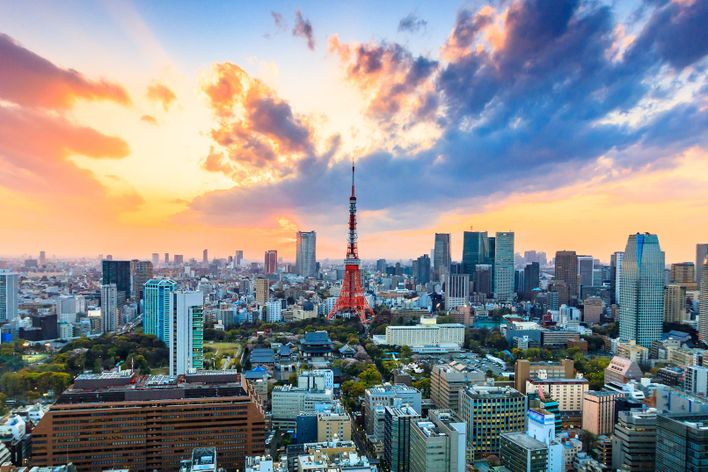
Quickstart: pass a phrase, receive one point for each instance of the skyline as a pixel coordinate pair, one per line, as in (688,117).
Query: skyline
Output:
(127,128)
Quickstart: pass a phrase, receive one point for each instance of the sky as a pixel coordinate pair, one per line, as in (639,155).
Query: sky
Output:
(128,128)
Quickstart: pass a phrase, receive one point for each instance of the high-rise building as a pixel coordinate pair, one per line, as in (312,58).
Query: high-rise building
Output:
(179,259)
(167,258)
(532,277)
(441,256)
(438,443)
(488,412)
(155,259)
(238,257)
(262,291)
(482,279)
(109,307)
(422,274)
(521,452)
(397,436)
(504,267)
(446,382)
(140,272)
(377,398)
(159,307)
(701,254)
(119,420)
(642,290)
(117,272)
(599,411)
(674,303)
(381,266)
(306,253)
(205,257)
(634,441)
(696,380)
(592,310)
(187,332)
(475,250)
(457,290)
(8,295)
(525,369)
(42,258)
(270,262)
(566,270)
(616,273)
(703,313)
(681,442)
(586,266)
(684,274)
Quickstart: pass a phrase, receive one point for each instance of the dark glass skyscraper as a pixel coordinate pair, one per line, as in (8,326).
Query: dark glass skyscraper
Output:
(475,250)
(117,272)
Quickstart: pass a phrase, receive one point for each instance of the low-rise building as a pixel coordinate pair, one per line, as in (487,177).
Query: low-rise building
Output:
(427,333)
(567,392)
(522,453)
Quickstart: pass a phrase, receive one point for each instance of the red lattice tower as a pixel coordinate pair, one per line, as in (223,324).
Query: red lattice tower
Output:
(351,298)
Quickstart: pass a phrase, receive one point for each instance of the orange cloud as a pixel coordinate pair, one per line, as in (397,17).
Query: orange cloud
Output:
(257,136)
(149,119)
(30,80)
(161,94)
(395,84)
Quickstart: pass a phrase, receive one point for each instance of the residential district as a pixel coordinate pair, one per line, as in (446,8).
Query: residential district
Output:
(499,362)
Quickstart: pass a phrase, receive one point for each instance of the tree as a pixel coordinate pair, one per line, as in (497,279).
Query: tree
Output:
(370,376)
(423,385)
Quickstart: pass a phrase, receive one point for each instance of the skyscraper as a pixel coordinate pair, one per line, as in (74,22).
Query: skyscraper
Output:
(703,314)
(42,258)
(684,274)
(270,262)
(8,295)
(109,307)
(532,277)
(187,332)
(205,257)
(616,271)
(397,436)
(262,291)
(441,256)
(140,272)
(155,259)
(586,265)
(475,250)
(674,303)
(567,271)
(504,267)
(306,253)
(642,290)
(701,253)
(159,306)
(238,257)
(117,272)
(422,273)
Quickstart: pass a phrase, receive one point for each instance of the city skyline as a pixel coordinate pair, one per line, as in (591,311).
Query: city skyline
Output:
(127,129)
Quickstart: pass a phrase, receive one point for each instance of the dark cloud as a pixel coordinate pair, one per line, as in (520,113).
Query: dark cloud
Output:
(677,33)
(412,23)
(31,80)
(303,29)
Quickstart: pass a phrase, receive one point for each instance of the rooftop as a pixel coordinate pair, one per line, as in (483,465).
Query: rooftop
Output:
(524,440)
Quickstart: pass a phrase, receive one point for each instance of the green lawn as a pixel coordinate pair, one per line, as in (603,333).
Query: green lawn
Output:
(224,349)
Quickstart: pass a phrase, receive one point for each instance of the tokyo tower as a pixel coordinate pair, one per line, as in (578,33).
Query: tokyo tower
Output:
(351,298)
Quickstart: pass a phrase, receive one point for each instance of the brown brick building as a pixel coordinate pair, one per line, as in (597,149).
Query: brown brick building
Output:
(144,423)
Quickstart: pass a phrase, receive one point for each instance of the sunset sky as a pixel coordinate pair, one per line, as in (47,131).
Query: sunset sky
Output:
(137,127)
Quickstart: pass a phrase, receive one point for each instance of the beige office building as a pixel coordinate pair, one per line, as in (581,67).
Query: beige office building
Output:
(599,411)
(524,370)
